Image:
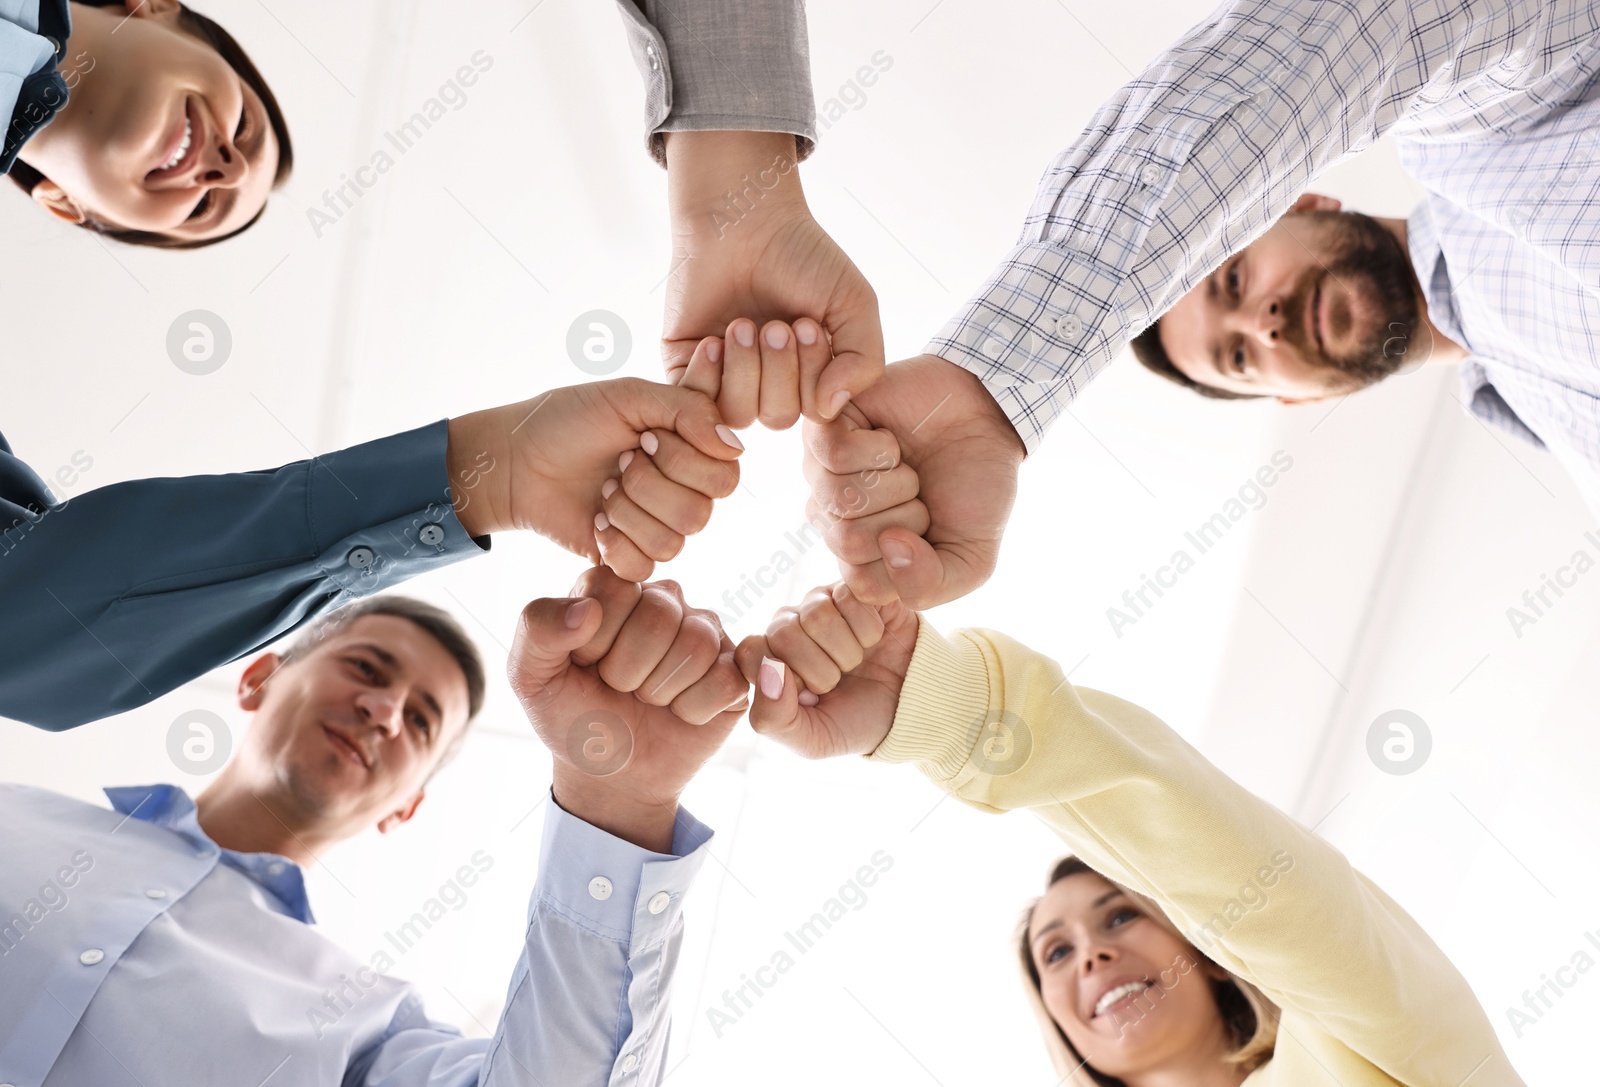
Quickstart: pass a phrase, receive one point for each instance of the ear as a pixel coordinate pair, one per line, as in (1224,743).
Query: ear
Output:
(253,682)
(403,815)
(1312,201)
(152,9)
(52,198)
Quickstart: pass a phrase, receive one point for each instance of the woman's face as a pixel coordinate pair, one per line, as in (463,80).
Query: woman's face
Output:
(1129,995)
(159,133)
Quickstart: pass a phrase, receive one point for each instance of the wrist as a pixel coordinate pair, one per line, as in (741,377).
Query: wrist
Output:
(619,811)
(982,409)
(717,181)
(477,462)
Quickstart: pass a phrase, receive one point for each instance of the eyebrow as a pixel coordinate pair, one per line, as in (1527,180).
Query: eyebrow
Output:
(391,662)
(1096,904)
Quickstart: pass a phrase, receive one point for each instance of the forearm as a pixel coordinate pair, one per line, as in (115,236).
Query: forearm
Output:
(592,990)
(998,725)
(129,591)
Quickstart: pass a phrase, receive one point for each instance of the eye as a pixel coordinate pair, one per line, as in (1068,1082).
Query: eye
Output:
(1233,279)
(1238,360)
(421,721)
(365,667)
(1056,953)
(1122,916)
(244,125)
(201,207)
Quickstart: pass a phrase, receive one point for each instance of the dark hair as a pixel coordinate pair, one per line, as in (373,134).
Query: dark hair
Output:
(1246,1012)
(1146,347)
(231,51)
(436,622)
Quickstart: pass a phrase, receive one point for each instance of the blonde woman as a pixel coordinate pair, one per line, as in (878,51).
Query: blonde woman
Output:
(1198,936)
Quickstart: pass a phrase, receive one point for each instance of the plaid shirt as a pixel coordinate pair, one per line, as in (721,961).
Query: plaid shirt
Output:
(1202,152)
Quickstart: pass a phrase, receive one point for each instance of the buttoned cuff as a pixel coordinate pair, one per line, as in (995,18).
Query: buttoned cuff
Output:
(382,512)
(944,704)
(732,65)
(1034,334)
(613,888)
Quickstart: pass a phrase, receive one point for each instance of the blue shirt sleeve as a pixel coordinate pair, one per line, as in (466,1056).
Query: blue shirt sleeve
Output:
(588,1001)
(129,591)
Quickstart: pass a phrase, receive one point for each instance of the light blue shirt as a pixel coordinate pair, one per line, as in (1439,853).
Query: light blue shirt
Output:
(23,50)
(135,952)
(1507,248)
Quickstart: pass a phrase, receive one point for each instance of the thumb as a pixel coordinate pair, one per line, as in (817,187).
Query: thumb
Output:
(649,406)
(549,631)
(858,358)
(925,576)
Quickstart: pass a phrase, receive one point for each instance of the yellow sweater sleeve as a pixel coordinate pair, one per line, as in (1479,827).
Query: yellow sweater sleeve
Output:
(1367,997)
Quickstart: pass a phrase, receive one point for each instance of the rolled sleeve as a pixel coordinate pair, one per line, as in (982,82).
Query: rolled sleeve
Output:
(739,65)
(589,1002)
(131,590)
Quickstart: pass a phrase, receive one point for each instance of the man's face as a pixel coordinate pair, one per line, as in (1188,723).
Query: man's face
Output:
(348,734)
(166,137)
(1320,305)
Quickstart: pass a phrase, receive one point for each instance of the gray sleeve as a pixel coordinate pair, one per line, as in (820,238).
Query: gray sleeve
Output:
(743,65)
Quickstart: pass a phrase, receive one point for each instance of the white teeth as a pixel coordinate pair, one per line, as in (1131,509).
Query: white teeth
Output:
(1118,993)
(183,148)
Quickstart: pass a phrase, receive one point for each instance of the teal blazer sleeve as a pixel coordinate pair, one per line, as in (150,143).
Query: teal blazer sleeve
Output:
(126,592)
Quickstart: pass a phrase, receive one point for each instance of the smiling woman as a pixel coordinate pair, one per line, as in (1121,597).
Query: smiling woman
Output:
(156,130)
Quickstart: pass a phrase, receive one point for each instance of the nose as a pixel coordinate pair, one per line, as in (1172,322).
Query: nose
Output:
(224,165)
(1096,957)
(1266,324)
(382,709)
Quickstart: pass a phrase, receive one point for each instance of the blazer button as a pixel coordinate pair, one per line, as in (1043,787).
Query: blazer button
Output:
(360,557)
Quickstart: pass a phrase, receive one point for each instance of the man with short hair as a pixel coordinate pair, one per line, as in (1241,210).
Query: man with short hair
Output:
(187,954)
(1182,179)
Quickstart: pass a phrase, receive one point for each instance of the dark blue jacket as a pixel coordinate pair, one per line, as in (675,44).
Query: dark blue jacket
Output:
(129,591)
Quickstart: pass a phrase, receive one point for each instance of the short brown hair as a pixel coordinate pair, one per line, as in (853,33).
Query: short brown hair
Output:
(208,31)
(436,622)
(1147,348)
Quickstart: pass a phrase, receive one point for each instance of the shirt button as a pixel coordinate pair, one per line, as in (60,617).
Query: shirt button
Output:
(650,51)
(630,1062)
(91,956)
(275,868)
(660,902)
(993,348)
(432,535)
(360,557)
(155,892)
(1149,175)
(1068,326)
(202,853)
(600,888)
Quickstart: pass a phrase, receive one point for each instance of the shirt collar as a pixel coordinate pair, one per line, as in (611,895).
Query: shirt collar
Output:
(170,807)
(1478,393)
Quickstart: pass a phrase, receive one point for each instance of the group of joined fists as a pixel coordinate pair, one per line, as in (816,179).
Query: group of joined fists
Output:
(630,686)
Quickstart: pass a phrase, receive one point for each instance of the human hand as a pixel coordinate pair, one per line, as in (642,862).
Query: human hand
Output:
(937,542)
(552,464)
(768,373)
(745,245)
(828,673)
(632,691)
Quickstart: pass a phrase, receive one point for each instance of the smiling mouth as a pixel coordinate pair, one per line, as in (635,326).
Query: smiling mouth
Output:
(351,750)
(1315,316)
(179,150)
(1120,994)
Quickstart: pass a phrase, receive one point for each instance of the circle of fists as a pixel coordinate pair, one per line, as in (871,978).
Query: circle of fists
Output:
(628,681)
